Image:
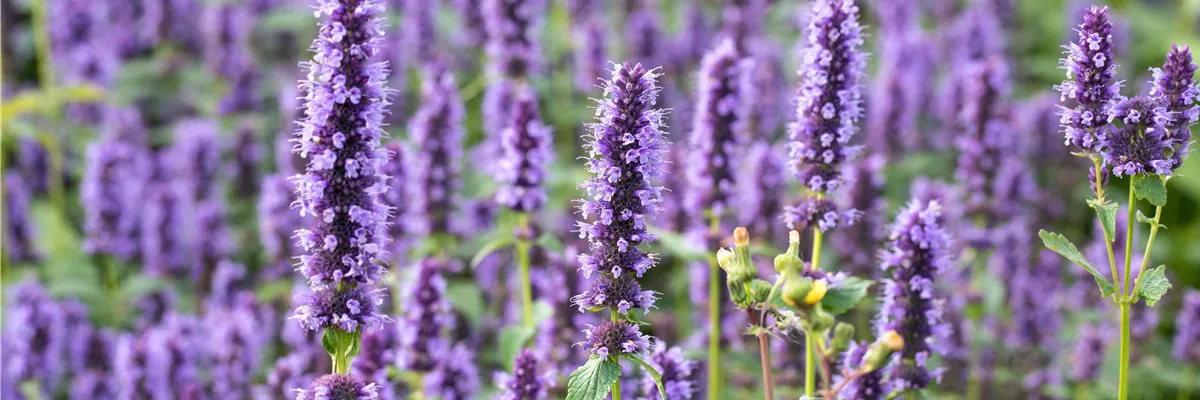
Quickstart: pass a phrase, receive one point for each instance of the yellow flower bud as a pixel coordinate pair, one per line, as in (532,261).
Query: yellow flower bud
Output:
(740,236)
(892,340)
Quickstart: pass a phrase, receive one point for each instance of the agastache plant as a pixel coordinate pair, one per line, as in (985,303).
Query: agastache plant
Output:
(626,149)
(717,135)
(339,191)
(1143,138)
(829,106)
(800,300)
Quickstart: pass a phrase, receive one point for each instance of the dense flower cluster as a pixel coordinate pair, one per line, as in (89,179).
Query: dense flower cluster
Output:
(1140,145)
(339,387)
(590,55)
(719,129)
(625,152)
(526,148)
(1088,353)
(18,228)
(525,383)
(1186,346)
(1091,81)
(427,315)
(455,377)
(436,132)
(111,188)
(830,96)
(870,385)
(1176,88)
(512,27)
(916,256)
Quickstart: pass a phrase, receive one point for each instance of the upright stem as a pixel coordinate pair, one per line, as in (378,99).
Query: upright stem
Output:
(714,316)
(810,365)
(616,386)
(817,235)
(765,352)
(524,246)
(1123,380)
(1149,245)
(1129,240)
(1112,260)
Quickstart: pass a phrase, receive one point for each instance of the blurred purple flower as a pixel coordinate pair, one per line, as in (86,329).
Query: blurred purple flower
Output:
(1186,345)
(679,378)
(526,148)
(19,233)
(456,377)
(525,383)
(1175,86)
(718,131)
(426,316)
(111,191)
(436,132)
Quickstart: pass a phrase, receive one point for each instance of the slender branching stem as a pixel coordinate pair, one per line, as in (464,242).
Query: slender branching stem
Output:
(1129,241)
(1112,259)
(1149,245)
(714,315)
(616,386)
(1123,377)
(764,349)
(524,246)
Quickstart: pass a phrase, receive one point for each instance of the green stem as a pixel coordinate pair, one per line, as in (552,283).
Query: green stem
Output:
(817,236)
(714,317)
(1081,392)
(1149,245)
(1185,391)
(524,245)
(1123,379)
(764,350)
(1112,259)
(810,361)
(1129,240)
(616,386)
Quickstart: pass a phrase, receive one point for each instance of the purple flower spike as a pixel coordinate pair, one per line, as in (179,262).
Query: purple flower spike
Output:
(820,213)
(864,193)
(35,337)
(590,55)
(427,314)
(110,191)
(340,135)
(615,338)
(1140,145)
(679,377)
(512,29)
(195,158)
(419,30)
(1091,81)
(762,183)
(398,197)
(916,256)
(165,249)
(526,148)
(525,383)
(625,152)
(830,95)
(436,132)
(719,129)
(348,309)
(456,377)
(1088,353)
(18,228)
(1186,347)
(1175,86)
(339,387)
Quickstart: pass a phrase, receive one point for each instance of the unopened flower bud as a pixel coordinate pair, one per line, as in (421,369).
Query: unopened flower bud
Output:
(842,333)
(794,244)
(741,237)
(760,290)
(725,259)
(817,293)
(789,265)
(795,290)
(881,351)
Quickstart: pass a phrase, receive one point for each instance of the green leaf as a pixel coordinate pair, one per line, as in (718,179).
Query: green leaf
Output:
(662,393)
(633,318)
(848,293)
(542,311)
(677,245)
(134,287)
(466,298)
(1064,247)
(1108,216)
(512,339)
(491,247)
(1154,285)
(593,380)
(1143,218)
(550,242)
(1151,188)
(331,342)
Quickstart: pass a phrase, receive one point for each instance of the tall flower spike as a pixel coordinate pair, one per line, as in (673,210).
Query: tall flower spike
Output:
(195,159)
(339,387)
(1186,346)
(829,103)
(1175,86)
(719,128)
(1091,81)
(679,377)
(916,256)
(18,227)
(625,153)
(1140,145)
(512,27)
(526,149)
(340,135)
(524,383)
(427,314)
(35,337)
(590,53)
(110,190)
(436,132)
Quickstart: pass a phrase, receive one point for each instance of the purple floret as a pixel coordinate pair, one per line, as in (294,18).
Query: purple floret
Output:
(1175,86)
(615,338)
(679,378)
(1140,145)
(526,146)
(339,387)
(719,129)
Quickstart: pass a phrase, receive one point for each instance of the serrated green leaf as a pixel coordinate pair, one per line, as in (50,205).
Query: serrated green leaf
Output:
(1108,217)
(593,380)
(1151,188)
(1154,285)
(848,293)
(512,339)
(466,298)
(491,247)
(1064,247)
(662,393)
(1145,219)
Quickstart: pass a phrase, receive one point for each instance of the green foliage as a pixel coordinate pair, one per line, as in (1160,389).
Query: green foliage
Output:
(1064,247)
(512,339)
(593,380)
(491,247)
(1150,187)
(1154,285)
(467,299)
(676,245)
(842,298)
(1108,216)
